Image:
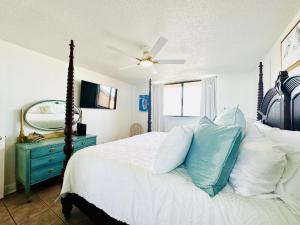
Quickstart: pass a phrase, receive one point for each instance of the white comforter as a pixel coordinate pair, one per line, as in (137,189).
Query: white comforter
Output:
(117,178)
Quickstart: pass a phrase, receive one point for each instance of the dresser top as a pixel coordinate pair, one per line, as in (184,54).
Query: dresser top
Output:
(52,141)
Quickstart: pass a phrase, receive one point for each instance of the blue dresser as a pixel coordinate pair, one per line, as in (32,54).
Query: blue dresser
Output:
(36,162)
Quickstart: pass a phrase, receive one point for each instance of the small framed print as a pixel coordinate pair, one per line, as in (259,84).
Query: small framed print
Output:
(290,49)
(143,103)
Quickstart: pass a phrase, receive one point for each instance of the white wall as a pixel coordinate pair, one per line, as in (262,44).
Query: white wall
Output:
(237,88)
(27,77)
(271,61)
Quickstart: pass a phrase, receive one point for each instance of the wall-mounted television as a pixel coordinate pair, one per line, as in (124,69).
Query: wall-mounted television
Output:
(97,96)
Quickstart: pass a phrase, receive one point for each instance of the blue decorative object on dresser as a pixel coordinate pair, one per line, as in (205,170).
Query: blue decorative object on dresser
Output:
(36,162)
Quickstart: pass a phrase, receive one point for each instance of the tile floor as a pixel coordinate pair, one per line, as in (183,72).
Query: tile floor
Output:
(42,210)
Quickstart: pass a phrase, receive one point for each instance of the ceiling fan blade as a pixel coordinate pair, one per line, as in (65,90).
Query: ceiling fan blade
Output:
(160,43)
(171,61)
(128,67)
(121,52)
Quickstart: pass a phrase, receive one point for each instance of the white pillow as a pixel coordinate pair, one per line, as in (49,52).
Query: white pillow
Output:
(289,142)
(258,168)
(288,137)
(265,129)
(288,187)
(252,132)
(289,184)
(173,150)
(192,127)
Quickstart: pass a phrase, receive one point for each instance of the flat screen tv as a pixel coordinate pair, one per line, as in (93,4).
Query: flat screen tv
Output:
(97,96)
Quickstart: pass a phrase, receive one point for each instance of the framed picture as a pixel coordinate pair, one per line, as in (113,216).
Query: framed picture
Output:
(143,103)
(290,49)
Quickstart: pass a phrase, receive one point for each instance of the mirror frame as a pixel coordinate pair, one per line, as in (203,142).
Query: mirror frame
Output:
(49,129)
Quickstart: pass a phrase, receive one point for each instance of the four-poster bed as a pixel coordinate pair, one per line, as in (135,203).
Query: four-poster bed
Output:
(72,199)
(260,93)
(280,107)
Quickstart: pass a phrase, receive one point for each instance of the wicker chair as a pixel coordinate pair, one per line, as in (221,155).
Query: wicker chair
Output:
(136,129)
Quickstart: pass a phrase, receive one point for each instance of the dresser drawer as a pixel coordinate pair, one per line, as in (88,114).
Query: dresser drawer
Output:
(46,150)
(37,162)
(48,159)
(84,143)
(46,172)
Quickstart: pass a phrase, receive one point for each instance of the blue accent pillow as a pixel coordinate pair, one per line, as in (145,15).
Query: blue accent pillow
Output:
(212,155)
(232,117)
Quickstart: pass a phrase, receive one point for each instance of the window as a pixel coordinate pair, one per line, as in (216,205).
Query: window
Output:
(172,100)
(182,99)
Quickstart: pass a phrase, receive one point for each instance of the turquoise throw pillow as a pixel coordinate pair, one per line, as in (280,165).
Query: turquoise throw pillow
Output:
(212,155)
(232,117)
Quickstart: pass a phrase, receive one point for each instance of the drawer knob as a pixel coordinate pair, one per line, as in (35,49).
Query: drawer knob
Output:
(51,170)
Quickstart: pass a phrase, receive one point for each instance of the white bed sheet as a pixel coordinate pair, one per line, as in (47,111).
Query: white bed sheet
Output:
(117,178)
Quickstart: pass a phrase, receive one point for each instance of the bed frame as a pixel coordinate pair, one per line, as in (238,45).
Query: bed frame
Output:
(280,107)
(97,215)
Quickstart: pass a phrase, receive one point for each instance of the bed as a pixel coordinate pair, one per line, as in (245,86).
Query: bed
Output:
(131,194)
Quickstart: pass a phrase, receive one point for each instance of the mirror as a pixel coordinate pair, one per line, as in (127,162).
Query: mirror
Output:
(49,115)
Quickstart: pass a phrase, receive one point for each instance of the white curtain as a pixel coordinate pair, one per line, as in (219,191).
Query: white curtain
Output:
(157,107)
(208,98)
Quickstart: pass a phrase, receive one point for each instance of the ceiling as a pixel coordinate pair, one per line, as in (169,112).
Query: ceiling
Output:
(214,36)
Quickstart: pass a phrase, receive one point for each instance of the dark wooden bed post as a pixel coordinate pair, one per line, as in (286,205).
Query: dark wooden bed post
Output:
(69,147)
(260,94)
(70,199)
(149,110)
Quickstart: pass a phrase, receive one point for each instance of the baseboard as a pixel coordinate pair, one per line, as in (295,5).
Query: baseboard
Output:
(10,188)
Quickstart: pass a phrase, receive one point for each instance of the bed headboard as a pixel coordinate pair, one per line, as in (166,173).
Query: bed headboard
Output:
(292,88)
(280,107)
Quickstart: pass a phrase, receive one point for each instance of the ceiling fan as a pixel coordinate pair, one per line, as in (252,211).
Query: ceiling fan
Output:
(148,59)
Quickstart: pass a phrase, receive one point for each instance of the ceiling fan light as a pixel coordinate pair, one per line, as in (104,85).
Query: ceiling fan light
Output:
(146,63)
